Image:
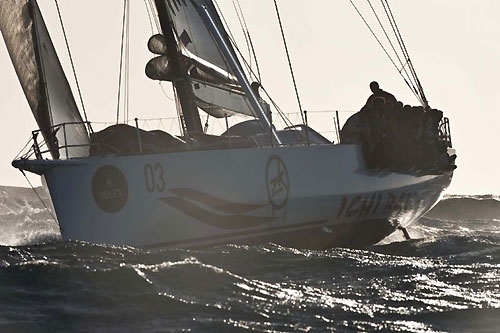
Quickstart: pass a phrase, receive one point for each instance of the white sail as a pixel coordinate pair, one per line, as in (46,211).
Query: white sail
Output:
(42,77)
(220,102)
(194,38)
(214,84)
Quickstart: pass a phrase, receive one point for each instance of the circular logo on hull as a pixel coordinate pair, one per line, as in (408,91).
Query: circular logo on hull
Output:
(278,184)
(109,189)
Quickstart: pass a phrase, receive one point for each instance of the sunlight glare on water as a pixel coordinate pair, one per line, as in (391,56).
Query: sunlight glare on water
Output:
(447,280)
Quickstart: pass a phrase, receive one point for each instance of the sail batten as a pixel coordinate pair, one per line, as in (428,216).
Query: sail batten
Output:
(42,78)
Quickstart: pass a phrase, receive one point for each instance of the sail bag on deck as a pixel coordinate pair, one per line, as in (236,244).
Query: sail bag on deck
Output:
(42,78)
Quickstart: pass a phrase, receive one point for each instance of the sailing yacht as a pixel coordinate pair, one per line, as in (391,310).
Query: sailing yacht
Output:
(252,184)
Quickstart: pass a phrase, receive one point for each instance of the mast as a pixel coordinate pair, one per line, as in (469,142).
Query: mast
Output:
(182,82)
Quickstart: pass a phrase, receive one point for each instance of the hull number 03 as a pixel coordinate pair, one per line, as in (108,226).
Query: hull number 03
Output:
(154,177)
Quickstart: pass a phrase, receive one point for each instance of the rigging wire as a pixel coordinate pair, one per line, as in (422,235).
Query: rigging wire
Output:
(149,17)
(39,197)
(232,40)
(121,62)
(72,64)
(124,59)
(151,9)
(413,90)
(289,62)
(233,43)
(397,32)
(400,42)
(250,70)
(250,41)
(226,26)
(403,65)
(252,74)
(25,146)
(254,56)
(165,93)
(244,31)
(127,64)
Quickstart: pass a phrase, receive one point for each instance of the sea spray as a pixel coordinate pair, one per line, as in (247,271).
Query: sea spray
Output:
(24,219)
(445,279)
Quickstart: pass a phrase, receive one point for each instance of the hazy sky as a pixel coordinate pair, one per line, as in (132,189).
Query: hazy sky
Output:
(454,45)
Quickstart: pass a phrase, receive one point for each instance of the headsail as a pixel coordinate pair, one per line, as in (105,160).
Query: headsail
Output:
(194,38)
(215,86)
(42,77)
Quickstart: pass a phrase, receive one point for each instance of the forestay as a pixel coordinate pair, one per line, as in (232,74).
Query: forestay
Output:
(42,77)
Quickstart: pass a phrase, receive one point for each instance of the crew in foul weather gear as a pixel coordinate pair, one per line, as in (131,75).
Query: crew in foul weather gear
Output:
(397,137)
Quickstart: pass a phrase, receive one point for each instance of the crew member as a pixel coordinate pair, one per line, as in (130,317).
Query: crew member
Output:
(387,98)
(255,88)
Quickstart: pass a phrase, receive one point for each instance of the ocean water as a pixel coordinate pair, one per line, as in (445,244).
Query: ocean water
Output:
(446,279)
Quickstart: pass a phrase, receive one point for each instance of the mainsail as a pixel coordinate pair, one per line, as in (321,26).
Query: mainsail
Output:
(215,86)
(194,38)
(42,78)
(220,102)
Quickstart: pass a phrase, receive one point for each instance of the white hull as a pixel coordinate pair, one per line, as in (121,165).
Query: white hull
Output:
(315,197)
